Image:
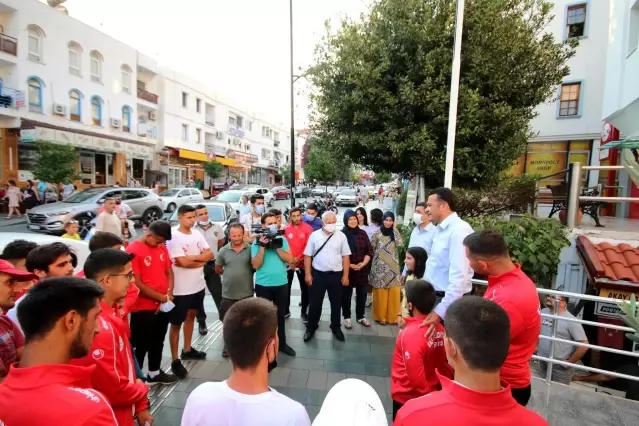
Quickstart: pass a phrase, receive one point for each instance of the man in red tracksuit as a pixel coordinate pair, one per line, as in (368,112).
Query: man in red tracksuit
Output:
(510,288)
(114,375)
(417,360)
(59,322)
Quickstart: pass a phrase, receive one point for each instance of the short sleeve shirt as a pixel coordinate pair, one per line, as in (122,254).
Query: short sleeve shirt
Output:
(11,339)
(237,279)
(212,235)
(150,264)
(329,259)
(186,280)
(273,270)
(566,330)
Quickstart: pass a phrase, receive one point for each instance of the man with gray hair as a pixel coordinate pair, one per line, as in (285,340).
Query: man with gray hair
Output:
(326,266)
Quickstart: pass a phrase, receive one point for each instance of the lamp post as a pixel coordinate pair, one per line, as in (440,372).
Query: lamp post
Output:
(290,8)
(454,96)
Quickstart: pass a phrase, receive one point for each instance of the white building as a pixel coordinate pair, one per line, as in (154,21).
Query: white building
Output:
(68,83)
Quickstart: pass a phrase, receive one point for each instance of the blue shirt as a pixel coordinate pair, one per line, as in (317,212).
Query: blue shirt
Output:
(273,270)
(316,223)
(421,238)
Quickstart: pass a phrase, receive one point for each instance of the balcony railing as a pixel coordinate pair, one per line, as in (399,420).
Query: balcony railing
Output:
(9,97)
(147,96)
(8,44)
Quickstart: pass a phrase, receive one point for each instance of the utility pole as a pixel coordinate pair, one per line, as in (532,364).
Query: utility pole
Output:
(292,108)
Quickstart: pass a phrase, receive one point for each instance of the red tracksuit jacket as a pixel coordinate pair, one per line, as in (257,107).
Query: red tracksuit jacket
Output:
(416,360)
(53,395)
(114,375)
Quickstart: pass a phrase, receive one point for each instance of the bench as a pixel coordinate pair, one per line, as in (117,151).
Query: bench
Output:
(560,197)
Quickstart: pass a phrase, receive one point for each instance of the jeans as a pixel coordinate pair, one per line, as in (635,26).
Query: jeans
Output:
(214,284)
(360,301)
(138,371)
(303,288)
(148,331)
(279,296)
(324,282)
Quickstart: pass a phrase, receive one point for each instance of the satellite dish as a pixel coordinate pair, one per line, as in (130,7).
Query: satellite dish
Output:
(62,9)
(55,3)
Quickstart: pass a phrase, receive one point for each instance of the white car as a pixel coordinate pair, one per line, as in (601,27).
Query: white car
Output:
(338,190)
(234,198)
(173,198)
(269,198)
(347,197)
(80,248)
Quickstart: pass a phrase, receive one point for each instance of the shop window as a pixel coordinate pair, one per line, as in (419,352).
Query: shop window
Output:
(137,169)
(75,105)
(27,156)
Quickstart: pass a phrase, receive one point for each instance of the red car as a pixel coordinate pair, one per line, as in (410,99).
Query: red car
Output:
(281,193)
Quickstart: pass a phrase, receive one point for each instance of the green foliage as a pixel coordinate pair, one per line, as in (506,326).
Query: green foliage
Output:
(285,172)
(401,250)
(401,203)
(382,85)
(56,163)
(509,195)
(631,318)
(213,169)
(534,243)
(326,165)
(383,177)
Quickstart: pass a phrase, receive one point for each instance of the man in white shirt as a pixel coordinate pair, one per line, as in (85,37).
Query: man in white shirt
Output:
(423,232)
(214,236)
(326,266)
(250,336)
(190,252)
(253,219)
(447,267)
(108,220)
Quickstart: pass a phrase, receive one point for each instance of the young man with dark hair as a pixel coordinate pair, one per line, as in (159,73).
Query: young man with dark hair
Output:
(105,240)
(476,343)
(59,318)
(417,361)
(214,236)
(251,336)
(510,288)
(297,234)
(311,217)
(108,220)
(253,219)
(16,252)
(189,252)
(152,269)
(110,351)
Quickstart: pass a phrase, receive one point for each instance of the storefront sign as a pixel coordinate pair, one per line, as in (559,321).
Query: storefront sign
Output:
(545,163)
(19,99)
(236,132)
(244,157)
(193,155)
(28,135)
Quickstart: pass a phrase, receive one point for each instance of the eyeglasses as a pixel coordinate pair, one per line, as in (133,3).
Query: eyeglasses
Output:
(129,275)
(72,222)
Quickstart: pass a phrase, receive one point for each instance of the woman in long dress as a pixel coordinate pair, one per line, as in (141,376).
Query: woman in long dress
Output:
(385,275)
(13,195)
(361,254)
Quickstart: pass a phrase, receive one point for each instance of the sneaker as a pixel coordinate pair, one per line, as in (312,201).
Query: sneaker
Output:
(202,328)
(161,379)
(304,318)
(225,353)
(286,349)
(193,354)
(287,315)
(369,299)
(178,369)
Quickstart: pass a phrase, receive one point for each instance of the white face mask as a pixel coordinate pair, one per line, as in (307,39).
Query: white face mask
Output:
(204,223)
(417,218)
(330,228)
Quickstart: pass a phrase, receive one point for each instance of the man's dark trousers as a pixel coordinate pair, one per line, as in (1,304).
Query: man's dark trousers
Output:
(303,287)
(214,284)
(277,294)
(323,282)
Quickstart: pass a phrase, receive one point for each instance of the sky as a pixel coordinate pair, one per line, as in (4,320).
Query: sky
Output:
(237,47)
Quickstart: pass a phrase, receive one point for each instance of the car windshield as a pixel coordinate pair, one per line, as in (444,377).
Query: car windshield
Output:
(330,188)
(170,192)
(82,196)
(216,213)
(229,197)
(343,188)
(347,192)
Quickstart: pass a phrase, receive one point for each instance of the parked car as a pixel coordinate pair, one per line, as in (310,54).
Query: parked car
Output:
(83,206)
(330,190)
(269,198)
(221,213)
(281,193)
(338,190)
(320,191)
(173,198)
(80,248)
(302,192)
(347,197)
(233,197)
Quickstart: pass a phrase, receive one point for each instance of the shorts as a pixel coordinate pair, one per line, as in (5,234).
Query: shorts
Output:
(183,304)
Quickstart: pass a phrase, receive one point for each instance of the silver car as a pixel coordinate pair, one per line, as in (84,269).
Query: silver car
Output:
(221,213)
(83,206)
(347,197)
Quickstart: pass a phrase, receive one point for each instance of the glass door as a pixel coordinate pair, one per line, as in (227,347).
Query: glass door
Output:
(100,169)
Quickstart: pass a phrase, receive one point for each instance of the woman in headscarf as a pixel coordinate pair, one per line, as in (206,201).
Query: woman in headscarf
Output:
(415,262)
(361,254)
(385,276)
(351,402)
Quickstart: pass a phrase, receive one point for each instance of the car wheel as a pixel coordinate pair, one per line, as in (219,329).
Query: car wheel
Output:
(151,215)
(171,208)
(84,223)
(334,209)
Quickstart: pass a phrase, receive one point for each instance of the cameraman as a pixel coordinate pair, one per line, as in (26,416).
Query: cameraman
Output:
(271,281)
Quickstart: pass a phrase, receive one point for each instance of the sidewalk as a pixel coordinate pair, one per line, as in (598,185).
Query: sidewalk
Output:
(13,221)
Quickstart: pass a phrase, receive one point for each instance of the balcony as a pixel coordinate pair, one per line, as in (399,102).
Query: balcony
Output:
(11,98)
(148,96)
(8,44)
(276,143)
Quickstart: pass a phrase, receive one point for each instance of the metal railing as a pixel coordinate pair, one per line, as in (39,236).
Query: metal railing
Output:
(550,360)
(8,44)
(574,191)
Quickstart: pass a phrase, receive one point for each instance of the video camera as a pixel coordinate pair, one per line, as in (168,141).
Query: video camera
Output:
(273,242)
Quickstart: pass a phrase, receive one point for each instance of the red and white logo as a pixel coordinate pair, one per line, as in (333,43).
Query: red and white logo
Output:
(148,261)
(290,236)
(185,248)
(97,354)
(162,257)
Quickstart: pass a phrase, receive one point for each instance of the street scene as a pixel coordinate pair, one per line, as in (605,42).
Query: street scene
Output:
(347,212)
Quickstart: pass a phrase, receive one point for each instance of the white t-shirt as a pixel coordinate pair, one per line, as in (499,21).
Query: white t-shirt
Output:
(109,223)
(186,280)
(215,404)
(330,258)
(248,221)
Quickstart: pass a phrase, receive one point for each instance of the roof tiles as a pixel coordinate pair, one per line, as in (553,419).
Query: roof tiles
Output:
(615,262)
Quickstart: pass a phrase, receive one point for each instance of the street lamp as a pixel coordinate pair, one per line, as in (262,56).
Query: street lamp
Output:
(454,96)
(290,7)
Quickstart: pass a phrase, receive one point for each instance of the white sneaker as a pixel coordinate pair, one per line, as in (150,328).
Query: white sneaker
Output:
(369,299)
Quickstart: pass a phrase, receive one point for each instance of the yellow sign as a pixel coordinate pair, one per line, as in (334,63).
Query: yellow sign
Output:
(545,163)
(517,168)
(193,155)
(226,161)
(555,146)
(615,294)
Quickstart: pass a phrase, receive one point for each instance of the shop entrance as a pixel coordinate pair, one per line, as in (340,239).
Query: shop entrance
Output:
(96,168)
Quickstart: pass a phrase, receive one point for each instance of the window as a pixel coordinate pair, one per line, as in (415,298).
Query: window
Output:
(198,105)
(633,28)
(198,135)
(75,105)
(35,94)
(576,21)
(36,38)
(126,119)
(266,153)
(231,121)
(266,132)
(75,59)
(569,100)
(96,110)
(126,72)
(96,66)
(249,125)
(185,133)
(185,99)
(276,136)
(239,121)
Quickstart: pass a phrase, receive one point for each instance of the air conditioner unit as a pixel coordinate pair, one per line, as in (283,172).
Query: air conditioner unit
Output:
(116,122)
(219,135)
(59,109)
(152,115)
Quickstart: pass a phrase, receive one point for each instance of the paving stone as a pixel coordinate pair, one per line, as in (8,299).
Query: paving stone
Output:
(378,369)
(313,411)
(378,383)
(300,363)
(361,377)
(298,379)
(195,383)
(279,376)
(175,400)
(303,396)
(382,349)
(344,367)
(333,378)
(168,416)
(317,380)
(205,370)
(386,331)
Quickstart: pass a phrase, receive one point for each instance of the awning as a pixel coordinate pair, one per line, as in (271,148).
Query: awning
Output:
(193,155)
(629,143)
(225,161)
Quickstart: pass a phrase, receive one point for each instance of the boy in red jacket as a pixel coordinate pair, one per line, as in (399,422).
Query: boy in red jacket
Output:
(476,343)
(416,359)
(114,375)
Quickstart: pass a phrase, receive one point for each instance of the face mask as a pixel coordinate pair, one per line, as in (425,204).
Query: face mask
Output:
(204,223)
(330,228)
(272,228)
(417,218)
(259,209)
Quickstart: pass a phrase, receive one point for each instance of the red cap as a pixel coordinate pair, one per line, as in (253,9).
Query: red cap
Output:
(9,269)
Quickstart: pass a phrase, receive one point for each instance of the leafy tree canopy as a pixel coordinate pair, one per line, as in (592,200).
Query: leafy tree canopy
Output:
(213,169)
(383,177)
(382,85)
(322,164)
(56,163)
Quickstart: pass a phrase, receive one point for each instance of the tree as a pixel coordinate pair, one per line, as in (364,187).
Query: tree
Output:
(382,85)
(56,164)
(213,169)
(285,172)
(383,177)
(325,165)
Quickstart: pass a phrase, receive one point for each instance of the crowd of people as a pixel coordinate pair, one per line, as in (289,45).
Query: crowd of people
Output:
(78,345)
